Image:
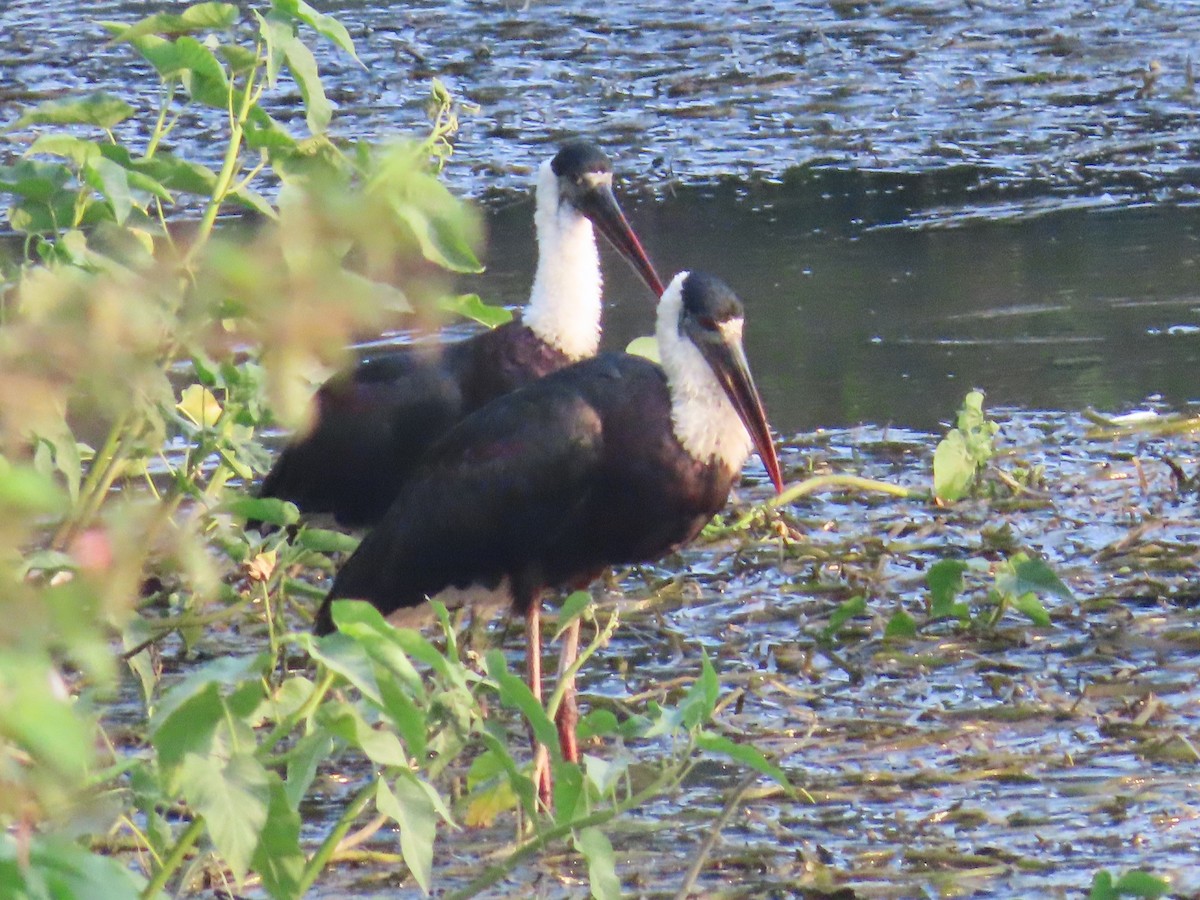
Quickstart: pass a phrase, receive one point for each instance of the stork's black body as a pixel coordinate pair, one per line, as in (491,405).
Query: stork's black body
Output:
(375,421)
(545,488)
(611,460)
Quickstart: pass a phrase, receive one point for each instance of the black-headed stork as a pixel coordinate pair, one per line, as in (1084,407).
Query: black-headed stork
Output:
(373,422)
(610,461)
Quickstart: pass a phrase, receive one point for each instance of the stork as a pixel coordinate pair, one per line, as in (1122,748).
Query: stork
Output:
(373,422)
(613,460)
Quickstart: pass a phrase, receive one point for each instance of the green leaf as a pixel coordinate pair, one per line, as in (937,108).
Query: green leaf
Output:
(603,774)
(303,66)
(366,625)
(25,491)
(1032,574)
(58,868)
(100,109)
(601,863)
(187,728)
(271,510)
(701,699)
(346,722)
(647,346)
(515,693)
(232,796)
(198,18)
(846,611)
(953,468)
(198,405)
(1102,887)
(900,625)
(470,306)
(326,26)
(945,581)
(573,608)
(1032,607)
(52,731)
(441,242)
(597,723)
(196,67)
(306,755)
(347,658)
(568,790)
(410,806)
(278,859)
(1142,884)
(321,540)
(744,753)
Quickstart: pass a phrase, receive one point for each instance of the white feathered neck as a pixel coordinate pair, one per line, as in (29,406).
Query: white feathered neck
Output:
(702,417)
(564,304)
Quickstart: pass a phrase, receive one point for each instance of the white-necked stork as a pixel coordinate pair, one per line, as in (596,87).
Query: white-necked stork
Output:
(373,422)
(613,460)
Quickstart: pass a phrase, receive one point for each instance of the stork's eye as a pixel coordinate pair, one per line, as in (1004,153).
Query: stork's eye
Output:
(708,323)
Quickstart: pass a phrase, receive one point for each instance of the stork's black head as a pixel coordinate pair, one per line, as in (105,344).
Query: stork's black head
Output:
(711,317)
(585,176)
(576,159)
(708,302)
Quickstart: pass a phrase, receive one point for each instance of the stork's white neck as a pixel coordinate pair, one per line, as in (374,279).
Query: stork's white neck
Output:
(564,305)
(702,417)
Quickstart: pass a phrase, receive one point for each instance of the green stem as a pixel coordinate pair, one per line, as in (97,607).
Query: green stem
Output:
(103,472)
(171,863)
(228,168)
(603,636)
(817,483)
(284,728)
(317,861)
(492,874)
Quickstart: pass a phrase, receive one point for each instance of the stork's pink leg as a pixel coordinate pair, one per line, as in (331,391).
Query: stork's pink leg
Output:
(567,716)
(533,662)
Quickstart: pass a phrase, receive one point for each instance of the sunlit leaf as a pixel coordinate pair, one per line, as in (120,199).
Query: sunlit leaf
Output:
(605,774)
(486,804)
(1141,884)
(601,863)
(199,406)
(100,109)
(646,346)
(197,18)
(347,658)
(278,859)
(471,306)
(953,468)
(232,796)
(409,805)
(574,607)
(701,699)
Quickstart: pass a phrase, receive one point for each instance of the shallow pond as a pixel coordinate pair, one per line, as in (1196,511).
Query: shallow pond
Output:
(914,198)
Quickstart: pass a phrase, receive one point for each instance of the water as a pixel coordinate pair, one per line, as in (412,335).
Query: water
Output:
(914,198)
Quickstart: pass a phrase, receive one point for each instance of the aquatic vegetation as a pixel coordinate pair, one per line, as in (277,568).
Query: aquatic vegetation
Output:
(143,359)
(964,451)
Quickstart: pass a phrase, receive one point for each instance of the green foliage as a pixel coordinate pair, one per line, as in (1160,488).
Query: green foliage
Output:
(964,451)
(142,361)
(1131,884)
(1016,582)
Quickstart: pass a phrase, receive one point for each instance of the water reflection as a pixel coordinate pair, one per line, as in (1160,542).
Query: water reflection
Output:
(859,311)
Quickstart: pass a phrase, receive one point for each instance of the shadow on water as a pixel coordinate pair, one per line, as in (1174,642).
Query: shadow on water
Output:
(862,309)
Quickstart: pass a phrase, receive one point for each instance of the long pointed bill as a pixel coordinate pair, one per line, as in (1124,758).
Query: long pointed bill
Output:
(601,207)
(727,359)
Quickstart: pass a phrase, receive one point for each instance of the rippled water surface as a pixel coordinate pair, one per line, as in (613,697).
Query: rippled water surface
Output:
(914,198)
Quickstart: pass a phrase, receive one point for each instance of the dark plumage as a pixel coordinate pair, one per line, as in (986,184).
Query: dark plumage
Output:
(375,421)
(612,460)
